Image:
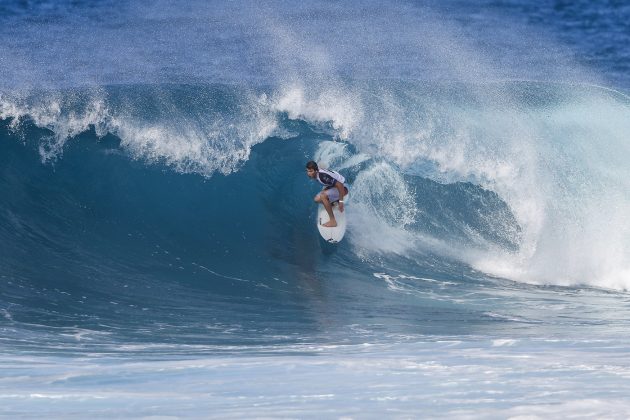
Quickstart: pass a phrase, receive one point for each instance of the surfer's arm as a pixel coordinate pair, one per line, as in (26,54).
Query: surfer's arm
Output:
(341,190)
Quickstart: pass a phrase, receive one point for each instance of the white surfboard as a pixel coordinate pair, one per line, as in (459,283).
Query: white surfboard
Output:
(331,234)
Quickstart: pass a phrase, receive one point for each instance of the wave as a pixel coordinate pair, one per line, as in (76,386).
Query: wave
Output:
(520,180)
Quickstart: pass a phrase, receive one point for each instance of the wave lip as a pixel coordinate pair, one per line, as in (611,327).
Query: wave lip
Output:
(191,132)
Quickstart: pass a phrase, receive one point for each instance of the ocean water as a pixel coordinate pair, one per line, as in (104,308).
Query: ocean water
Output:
(158,250)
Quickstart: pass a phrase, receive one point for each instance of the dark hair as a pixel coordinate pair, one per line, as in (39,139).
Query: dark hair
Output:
(312,165)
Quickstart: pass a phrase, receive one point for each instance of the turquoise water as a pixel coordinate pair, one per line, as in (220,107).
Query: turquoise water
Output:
(158,249)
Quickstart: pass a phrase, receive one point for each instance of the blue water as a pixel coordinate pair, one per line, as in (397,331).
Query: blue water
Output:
(158,248)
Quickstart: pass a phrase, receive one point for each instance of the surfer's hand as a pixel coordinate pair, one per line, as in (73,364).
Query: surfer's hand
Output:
(341,206)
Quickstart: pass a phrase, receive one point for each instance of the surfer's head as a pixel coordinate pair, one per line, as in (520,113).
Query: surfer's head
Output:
(311,169)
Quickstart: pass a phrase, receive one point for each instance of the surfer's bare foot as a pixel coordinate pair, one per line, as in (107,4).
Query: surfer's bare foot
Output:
(330,223)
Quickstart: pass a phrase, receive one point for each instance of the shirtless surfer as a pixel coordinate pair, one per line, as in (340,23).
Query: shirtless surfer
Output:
(334,189)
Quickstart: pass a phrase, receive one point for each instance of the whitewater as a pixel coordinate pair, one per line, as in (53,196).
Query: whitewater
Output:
(158,249)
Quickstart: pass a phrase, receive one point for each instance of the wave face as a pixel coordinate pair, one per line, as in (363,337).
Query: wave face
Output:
(155,215)
(528,176)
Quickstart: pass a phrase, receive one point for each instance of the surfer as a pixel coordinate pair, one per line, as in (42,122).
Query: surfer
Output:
(334,189)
